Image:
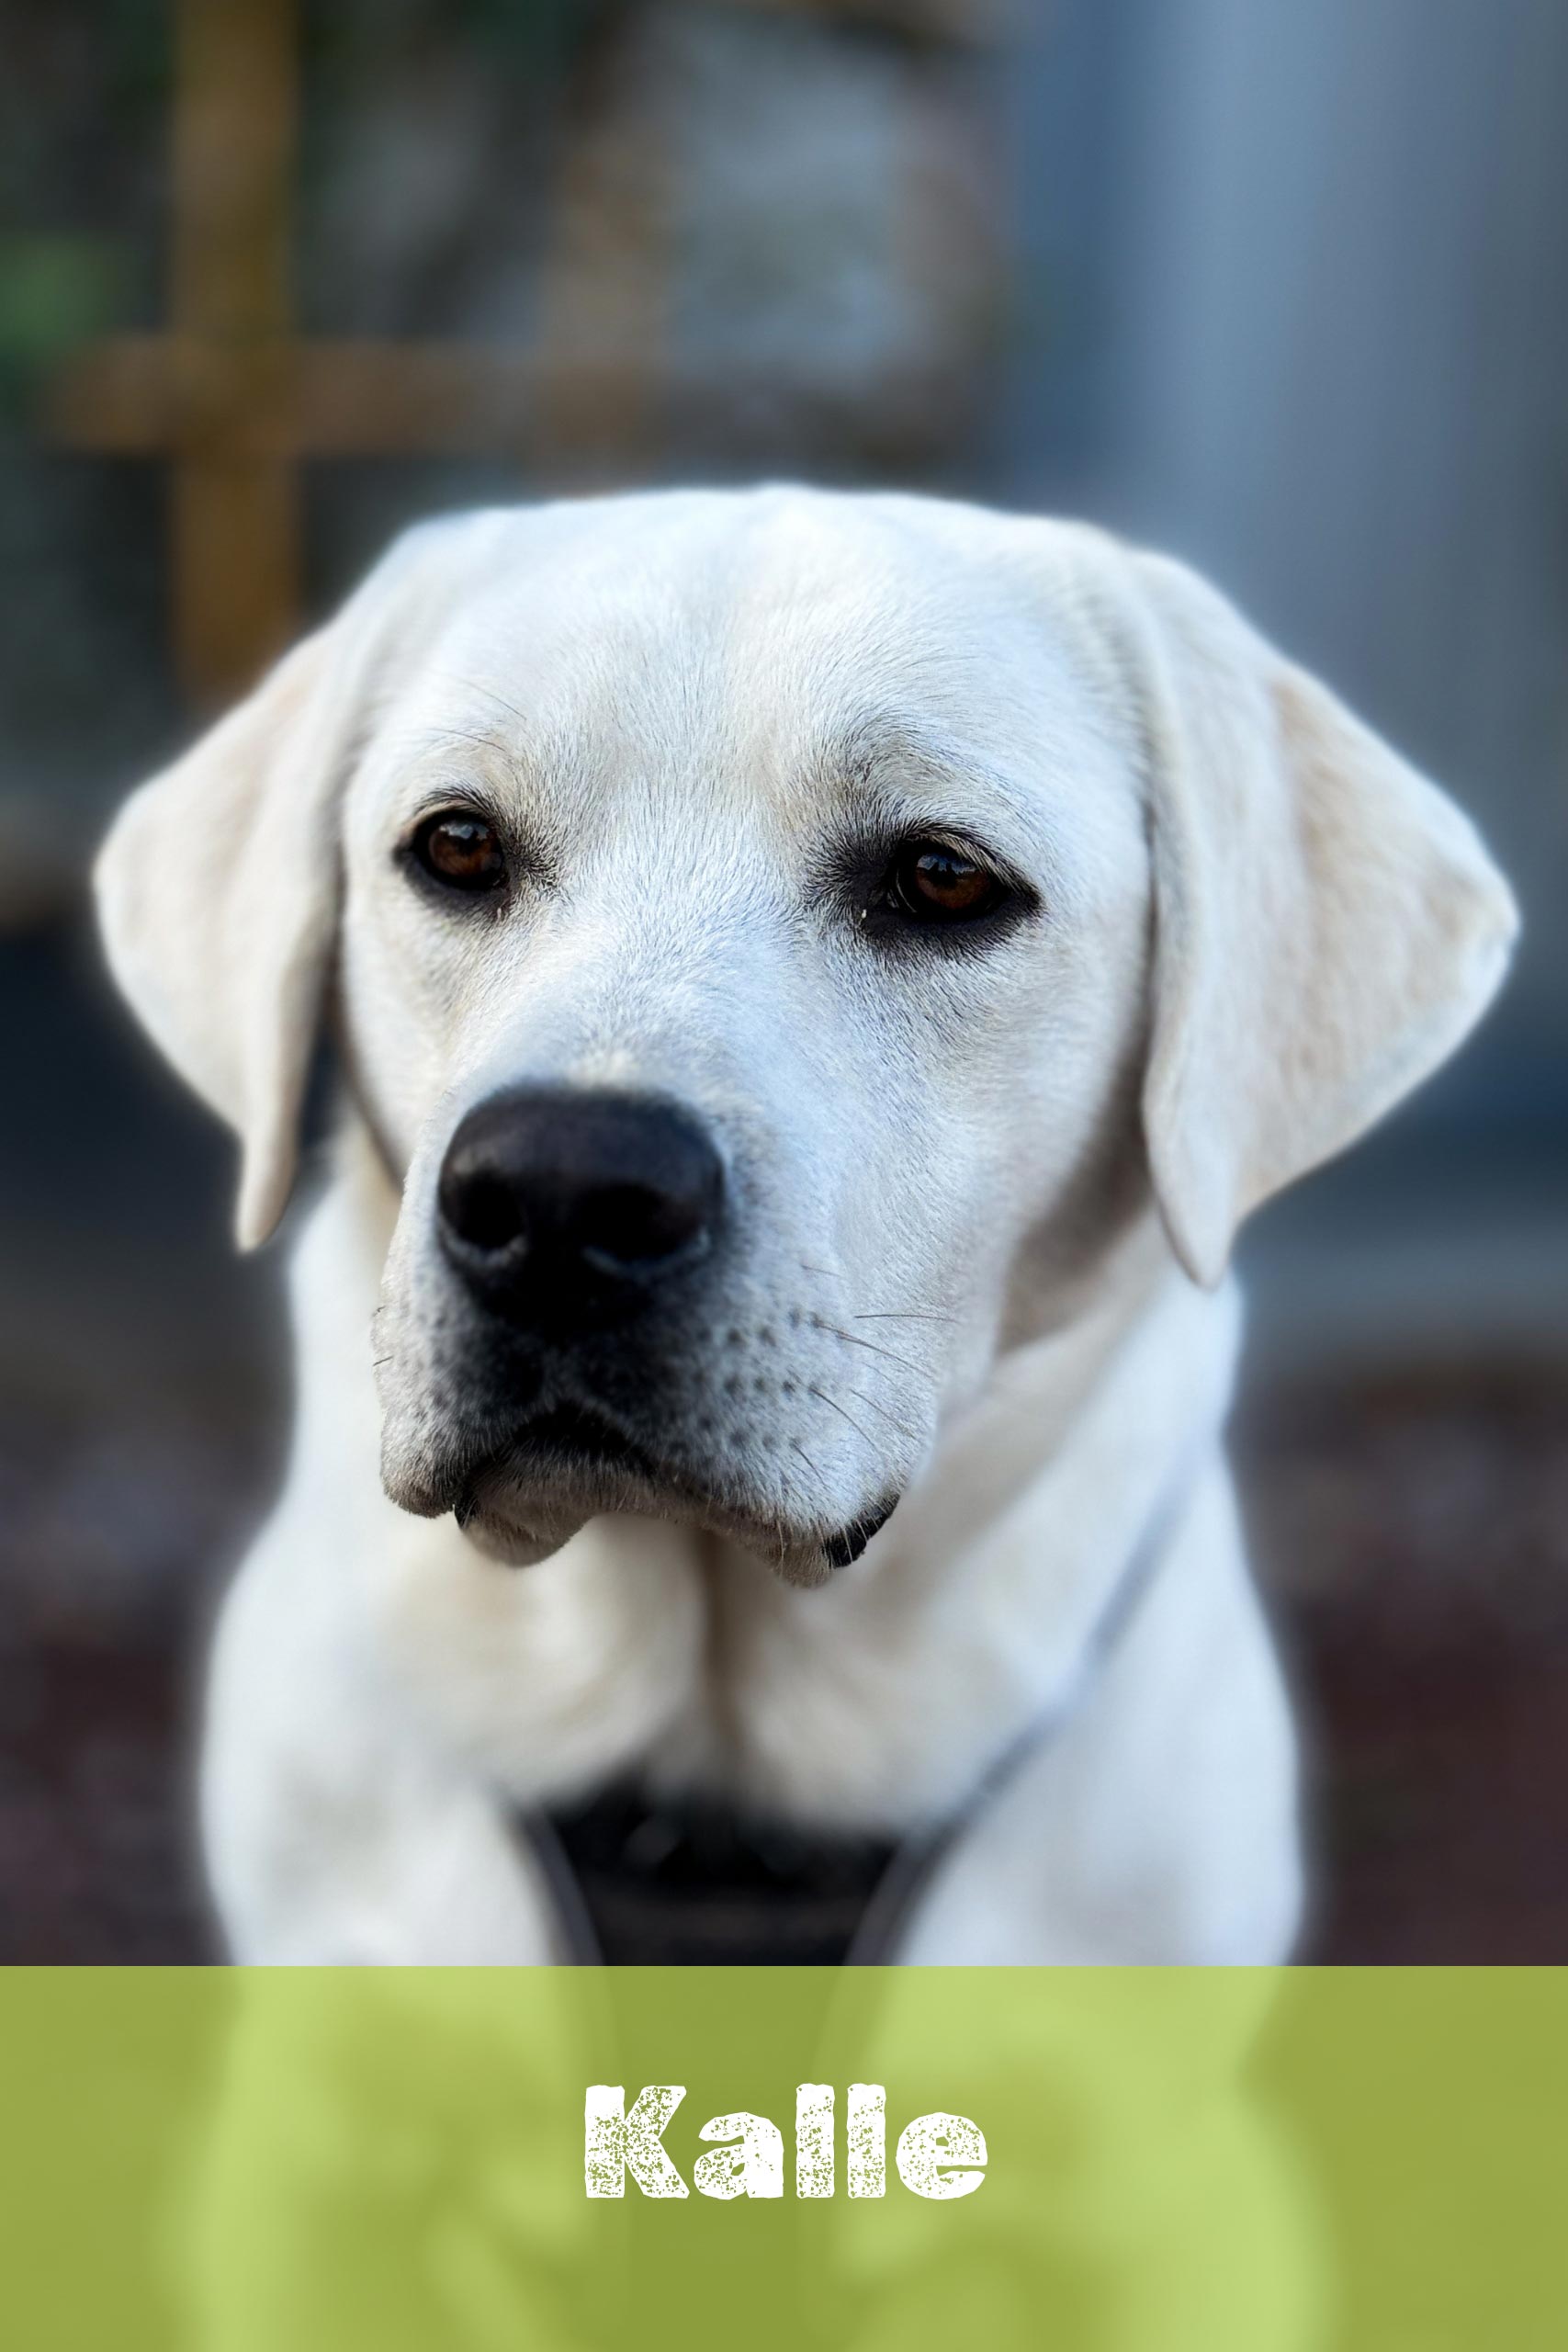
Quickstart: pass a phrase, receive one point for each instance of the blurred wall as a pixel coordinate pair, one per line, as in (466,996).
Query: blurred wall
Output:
(1308,262)
(1279,286)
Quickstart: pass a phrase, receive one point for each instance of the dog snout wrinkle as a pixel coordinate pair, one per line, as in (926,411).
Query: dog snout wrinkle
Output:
(564,1203)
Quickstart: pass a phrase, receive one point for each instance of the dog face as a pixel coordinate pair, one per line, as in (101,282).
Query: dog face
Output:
(790,956)
(777,937)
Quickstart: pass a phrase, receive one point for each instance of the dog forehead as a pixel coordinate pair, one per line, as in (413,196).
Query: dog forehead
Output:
(756,630)
(716,565)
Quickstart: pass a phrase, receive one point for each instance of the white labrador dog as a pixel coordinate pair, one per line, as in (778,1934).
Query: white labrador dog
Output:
(818,980)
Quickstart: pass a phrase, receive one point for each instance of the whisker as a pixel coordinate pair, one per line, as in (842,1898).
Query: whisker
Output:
(904,1315)
(467,735)
(838,1408)
(478,686)
(826,1271)
(811,1465)
(871,1349)
(903,1429)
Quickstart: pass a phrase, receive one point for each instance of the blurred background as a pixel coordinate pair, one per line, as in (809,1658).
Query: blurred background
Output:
(1281,288)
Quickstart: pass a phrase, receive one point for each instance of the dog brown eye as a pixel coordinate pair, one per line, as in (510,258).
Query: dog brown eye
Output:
(933,882)
(461,851)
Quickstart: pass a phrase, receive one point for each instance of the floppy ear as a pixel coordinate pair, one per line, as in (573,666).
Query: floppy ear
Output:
(217,893)
(1328,924)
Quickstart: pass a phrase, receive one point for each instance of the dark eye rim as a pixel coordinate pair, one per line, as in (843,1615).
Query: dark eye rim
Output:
(447,887)
(884,910)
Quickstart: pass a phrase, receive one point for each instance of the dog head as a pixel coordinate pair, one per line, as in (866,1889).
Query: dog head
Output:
(775,938)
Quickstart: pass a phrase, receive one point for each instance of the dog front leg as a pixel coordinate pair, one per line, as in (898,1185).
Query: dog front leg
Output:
(336,1831)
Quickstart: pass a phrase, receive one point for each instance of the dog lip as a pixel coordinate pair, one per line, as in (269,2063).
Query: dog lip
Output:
(570,1455)
(842,1550)
(594,1464)
(584,1436)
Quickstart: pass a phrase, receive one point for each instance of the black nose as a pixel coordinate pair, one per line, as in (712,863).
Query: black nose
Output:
(565,1202)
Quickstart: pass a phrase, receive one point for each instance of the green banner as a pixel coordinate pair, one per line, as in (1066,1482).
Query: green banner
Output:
(943,2160)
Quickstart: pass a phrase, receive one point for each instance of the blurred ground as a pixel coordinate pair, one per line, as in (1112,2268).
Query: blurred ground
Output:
(1412,1527)
(1409,1507)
